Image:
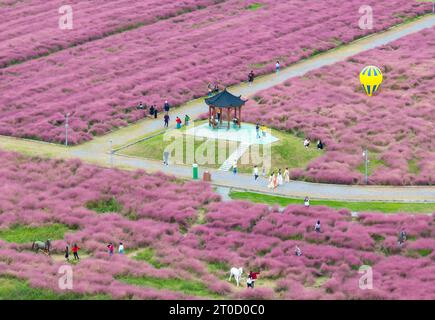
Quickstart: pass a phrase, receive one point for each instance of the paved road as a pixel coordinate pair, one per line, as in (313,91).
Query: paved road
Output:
(97,151)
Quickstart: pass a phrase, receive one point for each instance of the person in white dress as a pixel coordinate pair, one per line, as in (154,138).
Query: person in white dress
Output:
(280,179)
(286,175)
(307,202)
(306,143)
(271,180)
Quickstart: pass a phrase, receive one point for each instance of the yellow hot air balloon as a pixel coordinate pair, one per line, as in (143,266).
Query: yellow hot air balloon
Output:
(371,79)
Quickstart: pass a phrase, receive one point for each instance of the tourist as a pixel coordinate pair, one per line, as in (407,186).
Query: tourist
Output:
(251,77)
(277,66)
(306,143)
(152,110)
(186,120)
(263,131)
(166,158)
(253,276)
(121,248)
(255,173)
(141,106)
(67,253)
(317,226)
(279,177)
(178,121)
(111,249)
(166,106)
(286,175)
(235,167)
(307,202)
(320,145)
(298,251)
(402,237)
(155,113)
(249,283)
(166,119)
(75,250)
(275,181)
(271,179)
(263,171)
(257,129)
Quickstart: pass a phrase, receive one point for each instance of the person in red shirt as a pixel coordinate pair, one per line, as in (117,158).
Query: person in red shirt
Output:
(75,250)
(253,276)
(178,121)
(111,248)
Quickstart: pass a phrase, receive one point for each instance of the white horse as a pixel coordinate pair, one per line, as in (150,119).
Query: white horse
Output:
(237,273)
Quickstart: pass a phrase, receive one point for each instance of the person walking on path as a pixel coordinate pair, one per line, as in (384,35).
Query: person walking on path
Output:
(235,167)
(67,253)
(251,77)
(75,250)
(178,121)
(111,249)
(166,119)
(279,177)
(286,175)
(155,113)
(317,226)
(263,131)
(166,106)
(277,66)
(166,158)
(275,181)
(255,173)
(152,110)
(121,248)
(263,171)
(271,179)
(257,129)
(307,202)
(186,120)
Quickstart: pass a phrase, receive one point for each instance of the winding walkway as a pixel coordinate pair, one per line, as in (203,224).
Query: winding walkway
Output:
(97,151)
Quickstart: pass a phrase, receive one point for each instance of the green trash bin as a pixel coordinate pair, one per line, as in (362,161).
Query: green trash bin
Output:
(195,171)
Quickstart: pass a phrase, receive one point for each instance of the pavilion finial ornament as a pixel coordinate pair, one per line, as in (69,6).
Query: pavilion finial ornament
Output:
(371,79)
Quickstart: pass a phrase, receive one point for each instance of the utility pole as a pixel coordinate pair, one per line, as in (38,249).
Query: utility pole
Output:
(66,129)
(366,160)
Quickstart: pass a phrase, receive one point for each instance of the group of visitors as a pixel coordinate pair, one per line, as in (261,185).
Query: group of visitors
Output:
(307,143)
(111,248)
(250,282)
(75,251)
(278,178)
(260,130)
(212,89)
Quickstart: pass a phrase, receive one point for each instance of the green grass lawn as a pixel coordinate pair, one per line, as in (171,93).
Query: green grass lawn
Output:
(288,152)
(16,289)
(23,234)
(149,255)
(385,207)
(189,287)
(104,206)
(208,153)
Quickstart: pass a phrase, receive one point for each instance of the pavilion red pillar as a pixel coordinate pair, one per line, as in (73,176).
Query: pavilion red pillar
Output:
(240,116)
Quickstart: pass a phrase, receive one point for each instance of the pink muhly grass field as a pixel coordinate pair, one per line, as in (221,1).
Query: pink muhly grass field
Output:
(397,125)
(100,82)
(161,213)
